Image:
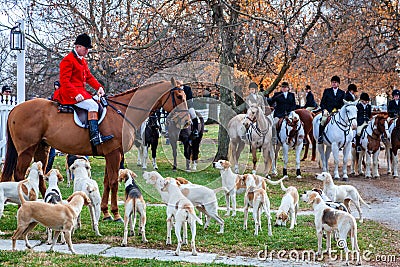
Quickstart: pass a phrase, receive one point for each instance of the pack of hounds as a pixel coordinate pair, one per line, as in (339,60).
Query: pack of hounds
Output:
(331,205)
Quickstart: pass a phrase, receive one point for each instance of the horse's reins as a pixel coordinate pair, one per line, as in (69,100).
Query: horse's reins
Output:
(143,109)
(338,122)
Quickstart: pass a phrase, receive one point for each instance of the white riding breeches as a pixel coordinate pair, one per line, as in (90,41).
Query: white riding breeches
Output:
(88,104)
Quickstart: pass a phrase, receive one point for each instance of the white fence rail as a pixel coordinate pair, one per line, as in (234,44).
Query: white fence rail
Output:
(7,103)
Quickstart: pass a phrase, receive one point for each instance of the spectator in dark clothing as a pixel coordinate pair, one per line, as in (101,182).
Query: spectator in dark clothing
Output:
(350,94)
(310,101)
(394,104)
(364,114)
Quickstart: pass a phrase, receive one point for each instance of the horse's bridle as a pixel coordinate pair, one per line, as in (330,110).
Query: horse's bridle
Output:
(151,111)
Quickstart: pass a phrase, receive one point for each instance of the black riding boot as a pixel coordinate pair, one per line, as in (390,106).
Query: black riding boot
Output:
(95,136)
(320,134)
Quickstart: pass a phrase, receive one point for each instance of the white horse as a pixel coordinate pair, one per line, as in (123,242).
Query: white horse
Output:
(253,128)
(337,134)
(291,134)
(370,140)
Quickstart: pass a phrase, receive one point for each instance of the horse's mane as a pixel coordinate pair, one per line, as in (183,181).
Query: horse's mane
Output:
(133,90)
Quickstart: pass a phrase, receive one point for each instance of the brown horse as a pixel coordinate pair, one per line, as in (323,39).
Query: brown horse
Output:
(307,117)
(35,125)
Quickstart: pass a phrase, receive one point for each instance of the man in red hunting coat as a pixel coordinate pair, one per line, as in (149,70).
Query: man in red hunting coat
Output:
(74,75)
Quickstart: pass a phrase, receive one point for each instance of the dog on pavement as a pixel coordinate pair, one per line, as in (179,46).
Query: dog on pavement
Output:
(134,203)
(329,219)
(59,217)
(341,193)
(182,210)
(53,196)
(80,170)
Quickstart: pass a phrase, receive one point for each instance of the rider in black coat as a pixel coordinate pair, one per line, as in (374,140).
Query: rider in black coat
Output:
(332,100)
(310,101)
(285,102)
(350,94)
(364,114)
(394,104)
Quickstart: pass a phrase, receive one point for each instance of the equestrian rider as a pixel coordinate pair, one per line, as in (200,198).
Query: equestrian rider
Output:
(394,104)
(364,115)
(285,102)
(310,101)
(74,74)
(332,101)
(257,98)
(350,94)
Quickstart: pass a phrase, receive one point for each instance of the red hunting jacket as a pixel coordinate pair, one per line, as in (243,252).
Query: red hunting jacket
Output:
(74,74)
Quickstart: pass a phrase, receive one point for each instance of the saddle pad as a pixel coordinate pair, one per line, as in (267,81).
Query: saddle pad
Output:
(81,115)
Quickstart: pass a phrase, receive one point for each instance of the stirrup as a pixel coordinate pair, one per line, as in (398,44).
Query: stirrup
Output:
(99,139)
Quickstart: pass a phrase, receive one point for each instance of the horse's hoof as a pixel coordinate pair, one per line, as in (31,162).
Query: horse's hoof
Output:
(298,177)
(144,168)
(188,170)
(345,179)
(119,220)
(108,218)
(336,178)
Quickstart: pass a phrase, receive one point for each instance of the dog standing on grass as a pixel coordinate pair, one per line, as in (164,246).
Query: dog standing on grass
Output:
(80,169)
(182,210)
(29,186)
(329,219)
(53,196)
(134,202)
(59,217)
(289,207)
(69,160)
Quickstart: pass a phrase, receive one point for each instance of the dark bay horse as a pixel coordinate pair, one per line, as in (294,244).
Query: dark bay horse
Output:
(35,125)
(191,144)
(307,117)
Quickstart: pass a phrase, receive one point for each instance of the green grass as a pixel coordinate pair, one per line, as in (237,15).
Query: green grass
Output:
(235,240)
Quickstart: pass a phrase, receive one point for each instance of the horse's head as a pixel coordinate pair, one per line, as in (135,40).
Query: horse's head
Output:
(252,113)
(349,113)
(381,125)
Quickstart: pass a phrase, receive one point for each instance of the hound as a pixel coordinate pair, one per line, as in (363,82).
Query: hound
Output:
(182,210)
(59,217)
(257,198)
(30,188)
(341,193)
(53,196)
(69,160)
(203,198)
(289,207)
(134,202)
(329,219)
(80,170)
(329,202)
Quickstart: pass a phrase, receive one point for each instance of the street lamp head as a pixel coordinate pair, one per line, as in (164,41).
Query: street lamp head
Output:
(17,38)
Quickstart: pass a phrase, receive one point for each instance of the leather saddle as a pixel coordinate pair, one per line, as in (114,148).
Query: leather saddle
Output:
(80,114)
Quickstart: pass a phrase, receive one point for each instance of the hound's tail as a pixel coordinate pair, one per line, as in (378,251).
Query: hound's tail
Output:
(362,201)
(10,162)
(192,214)
(283,187)
(274,182)
(222,188)
(21,197)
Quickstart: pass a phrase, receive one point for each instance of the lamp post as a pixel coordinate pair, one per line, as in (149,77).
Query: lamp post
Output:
(17,43)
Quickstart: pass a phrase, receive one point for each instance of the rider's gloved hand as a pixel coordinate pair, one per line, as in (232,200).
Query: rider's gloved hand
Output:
(100,92)
(79,98)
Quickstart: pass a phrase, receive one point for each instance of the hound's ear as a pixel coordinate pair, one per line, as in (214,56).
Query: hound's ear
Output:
(120,172)
(312,197)
(178,183)
(87,200)
(134,175)
(59,176)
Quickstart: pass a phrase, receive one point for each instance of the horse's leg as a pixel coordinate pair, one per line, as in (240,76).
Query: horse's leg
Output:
(346,153)
(328,150)
(322,157)
(285,151)
(375,171)
(360,159)
(388,158)
(187,153)
(196,152)
(113,160)
(313,148)
(254,154)
(42,155)
(307,145)
(173,143)
(394,165)
(154,154)
(275,149)
(335,152)
(145,157)
(299,147)
(368,165)
(23,162)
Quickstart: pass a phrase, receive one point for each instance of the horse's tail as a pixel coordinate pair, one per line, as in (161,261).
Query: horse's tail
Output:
(10,160)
